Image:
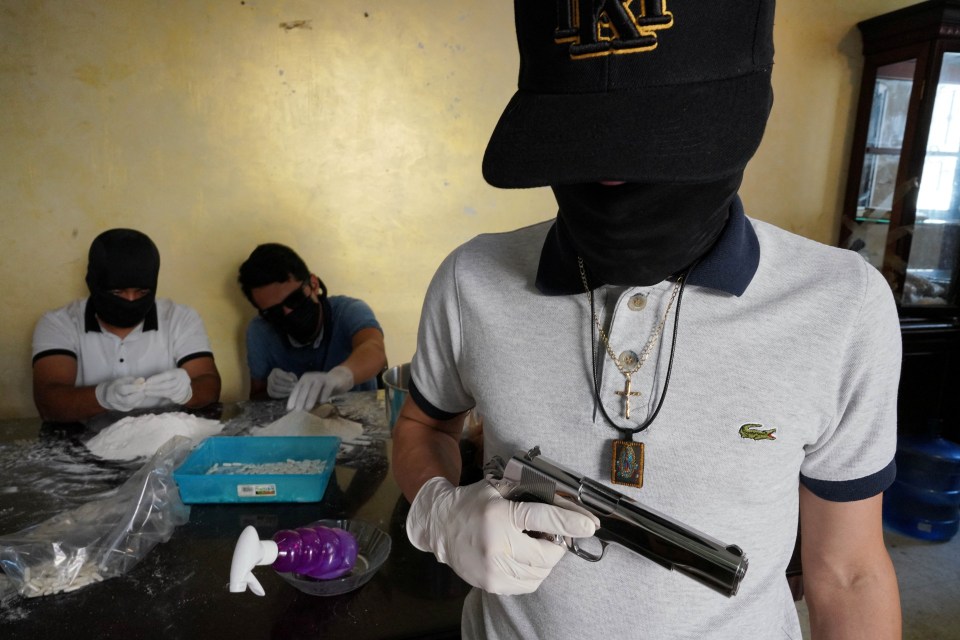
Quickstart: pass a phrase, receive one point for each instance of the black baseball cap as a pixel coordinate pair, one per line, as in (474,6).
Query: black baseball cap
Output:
(640,91)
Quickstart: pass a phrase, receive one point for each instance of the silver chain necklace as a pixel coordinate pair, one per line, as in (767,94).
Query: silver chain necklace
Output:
(627,456)
(627,392)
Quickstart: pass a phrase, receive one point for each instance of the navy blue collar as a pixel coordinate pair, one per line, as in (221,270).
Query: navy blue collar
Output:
(150,323)
(729,266)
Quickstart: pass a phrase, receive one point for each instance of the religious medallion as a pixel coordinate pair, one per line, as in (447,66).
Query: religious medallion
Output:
(627,463)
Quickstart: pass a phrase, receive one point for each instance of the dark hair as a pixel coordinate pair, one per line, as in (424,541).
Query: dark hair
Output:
(270,263)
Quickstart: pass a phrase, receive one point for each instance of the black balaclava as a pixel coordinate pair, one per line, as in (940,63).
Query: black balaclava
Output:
(638,234)
(122,259)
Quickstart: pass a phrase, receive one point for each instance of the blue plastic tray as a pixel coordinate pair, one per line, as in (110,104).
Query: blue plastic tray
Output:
(196,486)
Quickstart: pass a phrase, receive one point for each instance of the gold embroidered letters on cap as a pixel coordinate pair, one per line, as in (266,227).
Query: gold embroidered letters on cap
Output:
(595,28)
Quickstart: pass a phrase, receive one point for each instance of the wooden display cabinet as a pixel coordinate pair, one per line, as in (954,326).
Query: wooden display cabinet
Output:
(902,200)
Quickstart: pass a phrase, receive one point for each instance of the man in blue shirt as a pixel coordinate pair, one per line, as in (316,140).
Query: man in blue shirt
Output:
(304,345)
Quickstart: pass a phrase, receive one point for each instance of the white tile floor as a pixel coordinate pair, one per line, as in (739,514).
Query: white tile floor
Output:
(929,578)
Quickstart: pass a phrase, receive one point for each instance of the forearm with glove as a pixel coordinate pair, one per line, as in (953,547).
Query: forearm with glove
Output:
(173,385)
(123,394)
(280,383)
(481,536)
(319,386)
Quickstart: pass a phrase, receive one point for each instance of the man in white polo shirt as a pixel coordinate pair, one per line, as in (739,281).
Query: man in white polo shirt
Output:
(121,348)
(770,395)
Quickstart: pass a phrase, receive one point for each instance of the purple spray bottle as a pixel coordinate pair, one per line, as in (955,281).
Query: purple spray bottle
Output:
(315,551)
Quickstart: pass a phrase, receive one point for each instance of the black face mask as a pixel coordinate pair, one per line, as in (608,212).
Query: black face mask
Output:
(122,259)
(302,323)
(639,234)
(120,312)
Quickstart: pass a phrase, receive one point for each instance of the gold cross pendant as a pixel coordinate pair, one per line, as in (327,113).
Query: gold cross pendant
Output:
(626,393)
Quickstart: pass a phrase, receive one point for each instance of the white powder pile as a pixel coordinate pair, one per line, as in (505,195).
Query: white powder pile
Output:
(298,467)
(140,436)
(302,423)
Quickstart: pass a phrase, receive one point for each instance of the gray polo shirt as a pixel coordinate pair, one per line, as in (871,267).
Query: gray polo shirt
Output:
(776,332)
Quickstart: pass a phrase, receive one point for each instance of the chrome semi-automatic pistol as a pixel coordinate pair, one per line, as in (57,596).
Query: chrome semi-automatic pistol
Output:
(531,477)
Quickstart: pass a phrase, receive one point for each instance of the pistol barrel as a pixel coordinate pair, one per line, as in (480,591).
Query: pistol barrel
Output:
(532,477)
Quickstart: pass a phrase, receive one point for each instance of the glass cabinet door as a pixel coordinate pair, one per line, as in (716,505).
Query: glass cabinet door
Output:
(931,270)
(881,160)
(888,122)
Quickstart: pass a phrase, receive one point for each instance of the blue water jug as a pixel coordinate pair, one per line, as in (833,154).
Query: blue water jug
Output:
(924,500)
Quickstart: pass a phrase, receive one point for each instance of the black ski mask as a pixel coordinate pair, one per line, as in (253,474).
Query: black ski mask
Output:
(122,259)
(639,234)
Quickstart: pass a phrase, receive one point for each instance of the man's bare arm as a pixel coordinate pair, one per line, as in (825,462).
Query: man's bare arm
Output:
(204,380)
(848,579)
(424,448)
(368,357)
(55,395)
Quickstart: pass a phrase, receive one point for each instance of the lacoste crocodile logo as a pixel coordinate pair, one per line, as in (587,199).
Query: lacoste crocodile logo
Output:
(751,431)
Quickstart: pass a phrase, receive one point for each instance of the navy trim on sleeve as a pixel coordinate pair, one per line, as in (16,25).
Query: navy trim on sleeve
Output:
(54,352)
(194,356)
(429,409)
(850,490)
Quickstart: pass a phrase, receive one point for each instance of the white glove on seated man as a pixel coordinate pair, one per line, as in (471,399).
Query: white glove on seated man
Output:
(122,394)
(481,535)
(315,386)
(173,385)
(280,383)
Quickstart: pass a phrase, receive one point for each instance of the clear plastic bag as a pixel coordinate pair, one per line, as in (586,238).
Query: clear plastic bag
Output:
(103,538)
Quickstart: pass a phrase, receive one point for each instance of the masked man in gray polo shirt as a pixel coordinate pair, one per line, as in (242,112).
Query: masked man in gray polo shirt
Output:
(121,348)
(655,338)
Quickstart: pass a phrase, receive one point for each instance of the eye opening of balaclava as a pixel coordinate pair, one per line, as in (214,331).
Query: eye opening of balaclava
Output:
(122,259)
(638,234)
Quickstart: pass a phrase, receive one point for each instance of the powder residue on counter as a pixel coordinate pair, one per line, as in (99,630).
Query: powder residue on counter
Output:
(303,423)
(140,436)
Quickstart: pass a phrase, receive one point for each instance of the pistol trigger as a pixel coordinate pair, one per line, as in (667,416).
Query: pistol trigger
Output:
(574,548)
(558,540)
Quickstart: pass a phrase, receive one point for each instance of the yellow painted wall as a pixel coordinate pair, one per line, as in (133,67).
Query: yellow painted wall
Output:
(351,131)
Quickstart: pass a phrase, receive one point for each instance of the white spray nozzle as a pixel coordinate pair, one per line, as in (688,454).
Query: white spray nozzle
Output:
(250,552)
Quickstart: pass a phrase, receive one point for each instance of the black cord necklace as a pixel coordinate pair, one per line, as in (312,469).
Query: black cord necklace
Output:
(666,382)
(627,455)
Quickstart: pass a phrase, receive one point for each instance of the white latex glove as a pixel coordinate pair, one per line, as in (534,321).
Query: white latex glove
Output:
(481,535)
(280,383)
(122,394)
(315,386)
(173,385)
